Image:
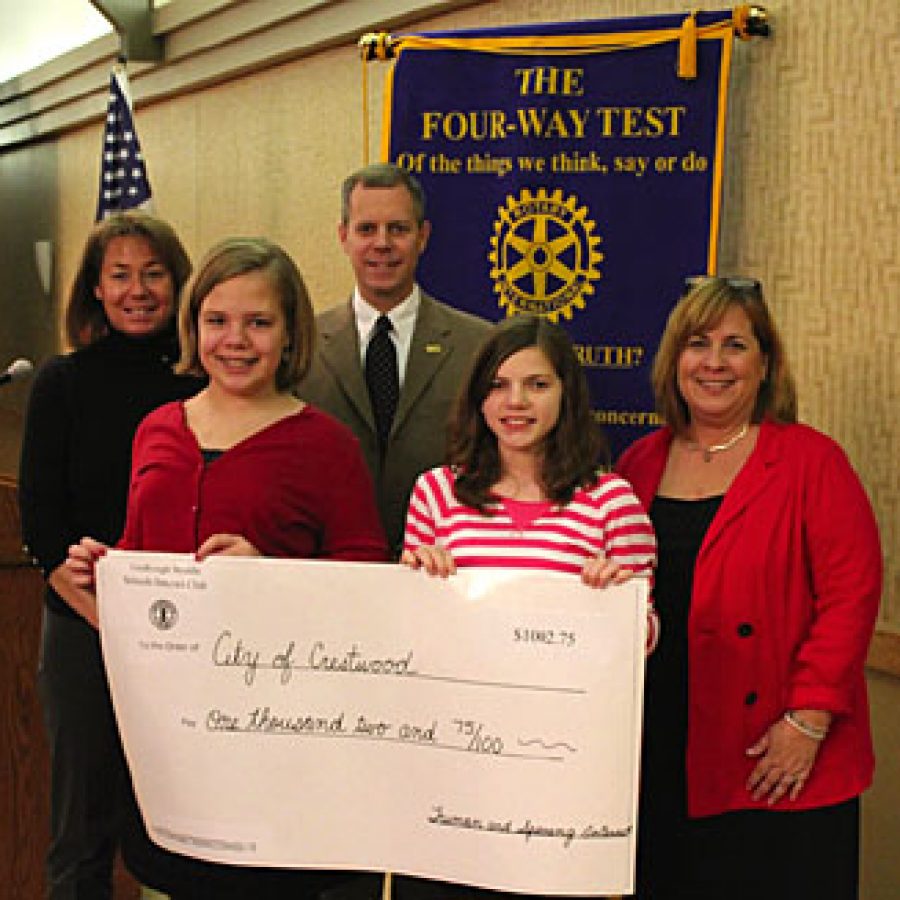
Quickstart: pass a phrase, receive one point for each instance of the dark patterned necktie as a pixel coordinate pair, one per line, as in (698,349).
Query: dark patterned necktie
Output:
(382,378)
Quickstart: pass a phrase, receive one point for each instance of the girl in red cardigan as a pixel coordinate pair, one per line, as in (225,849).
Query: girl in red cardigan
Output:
(244,468)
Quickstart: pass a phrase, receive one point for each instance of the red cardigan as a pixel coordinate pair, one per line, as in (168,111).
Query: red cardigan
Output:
(298,488)
(794,553)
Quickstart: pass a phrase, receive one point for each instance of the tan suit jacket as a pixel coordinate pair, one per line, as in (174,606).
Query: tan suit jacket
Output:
(443,344)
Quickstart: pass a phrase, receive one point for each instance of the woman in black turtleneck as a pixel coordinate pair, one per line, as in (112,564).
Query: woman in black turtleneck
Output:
(76,455)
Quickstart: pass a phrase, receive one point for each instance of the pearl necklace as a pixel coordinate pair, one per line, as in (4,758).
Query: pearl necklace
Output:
(712,449)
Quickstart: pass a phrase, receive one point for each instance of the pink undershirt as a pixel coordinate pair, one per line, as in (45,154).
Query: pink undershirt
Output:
(524,512)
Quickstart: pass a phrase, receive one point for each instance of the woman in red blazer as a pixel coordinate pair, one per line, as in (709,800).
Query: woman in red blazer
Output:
(757,742)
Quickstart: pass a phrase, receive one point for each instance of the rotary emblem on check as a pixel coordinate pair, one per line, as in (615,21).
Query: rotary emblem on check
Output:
(163,614)
(544,254)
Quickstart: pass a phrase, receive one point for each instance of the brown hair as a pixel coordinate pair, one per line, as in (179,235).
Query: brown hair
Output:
(85,319)
(574,449)
(702,307)
(239,256)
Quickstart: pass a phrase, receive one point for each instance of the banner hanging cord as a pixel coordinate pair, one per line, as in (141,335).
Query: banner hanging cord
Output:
(365,111)
(747,20)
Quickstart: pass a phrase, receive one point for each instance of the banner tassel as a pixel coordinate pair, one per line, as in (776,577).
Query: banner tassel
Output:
(687,48)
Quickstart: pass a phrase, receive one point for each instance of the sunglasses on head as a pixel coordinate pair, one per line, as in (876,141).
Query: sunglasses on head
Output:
(749,286)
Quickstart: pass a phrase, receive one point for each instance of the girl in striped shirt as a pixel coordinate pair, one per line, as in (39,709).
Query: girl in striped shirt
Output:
(523,488)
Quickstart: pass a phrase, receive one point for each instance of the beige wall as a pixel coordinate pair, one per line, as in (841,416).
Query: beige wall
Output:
(810,208)
(261,155)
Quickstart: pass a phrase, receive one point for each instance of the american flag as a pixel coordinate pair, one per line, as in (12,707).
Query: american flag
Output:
(123,176)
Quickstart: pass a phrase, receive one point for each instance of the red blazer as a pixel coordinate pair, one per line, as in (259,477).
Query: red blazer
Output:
(786,591)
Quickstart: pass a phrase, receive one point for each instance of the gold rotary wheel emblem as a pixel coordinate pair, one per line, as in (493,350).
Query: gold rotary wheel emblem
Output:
(544,254)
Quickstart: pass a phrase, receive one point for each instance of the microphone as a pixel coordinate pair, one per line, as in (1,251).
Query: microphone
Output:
(20,368)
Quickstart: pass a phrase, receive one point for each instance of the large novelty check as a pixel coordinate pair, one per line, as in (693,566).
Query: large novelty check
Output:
(482,729)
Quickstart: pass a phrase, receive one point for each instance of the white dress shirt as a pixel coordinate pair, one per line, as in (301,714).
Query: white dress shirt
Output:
(403,320)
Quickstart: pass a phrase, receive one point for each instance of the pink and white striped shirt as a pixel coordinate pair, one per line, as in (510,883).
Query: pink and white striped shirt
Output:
(604,518)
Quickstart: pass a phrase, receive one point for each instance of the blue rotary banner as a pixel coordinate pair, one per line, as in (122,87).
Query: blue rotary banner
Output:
(572,170)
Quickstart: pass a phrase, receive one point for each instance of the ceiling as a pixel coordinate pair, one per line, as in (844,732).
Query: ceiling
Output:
(35,31)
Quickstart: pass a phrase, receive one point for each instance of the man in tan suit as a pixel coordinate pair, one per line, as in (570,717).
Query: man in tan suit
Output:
(384,231)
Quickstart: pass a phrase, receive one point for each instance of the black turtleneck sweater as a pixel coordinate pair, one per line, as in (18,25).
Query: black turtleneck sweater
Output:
(76,451)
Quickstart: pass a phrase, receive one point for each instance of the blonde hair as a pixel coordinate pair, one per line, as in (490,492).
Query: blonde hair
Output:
(239,256)
(702,307)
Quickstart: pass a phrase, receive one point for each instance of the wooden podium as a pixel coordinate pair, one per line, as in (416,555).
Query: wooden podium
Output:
(24,766)
(24,763)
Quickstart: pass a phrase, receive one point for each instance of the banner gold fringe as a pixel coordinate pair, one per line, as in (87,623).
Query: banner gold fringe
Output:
(372,46)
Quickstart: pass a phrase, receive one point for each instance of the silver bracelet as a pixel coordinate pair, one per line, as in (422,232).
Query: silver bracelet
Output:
(811,731)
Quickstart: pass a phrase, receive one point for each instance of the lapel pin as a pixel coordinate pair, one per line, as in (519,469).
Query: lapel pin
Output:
(433,348)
